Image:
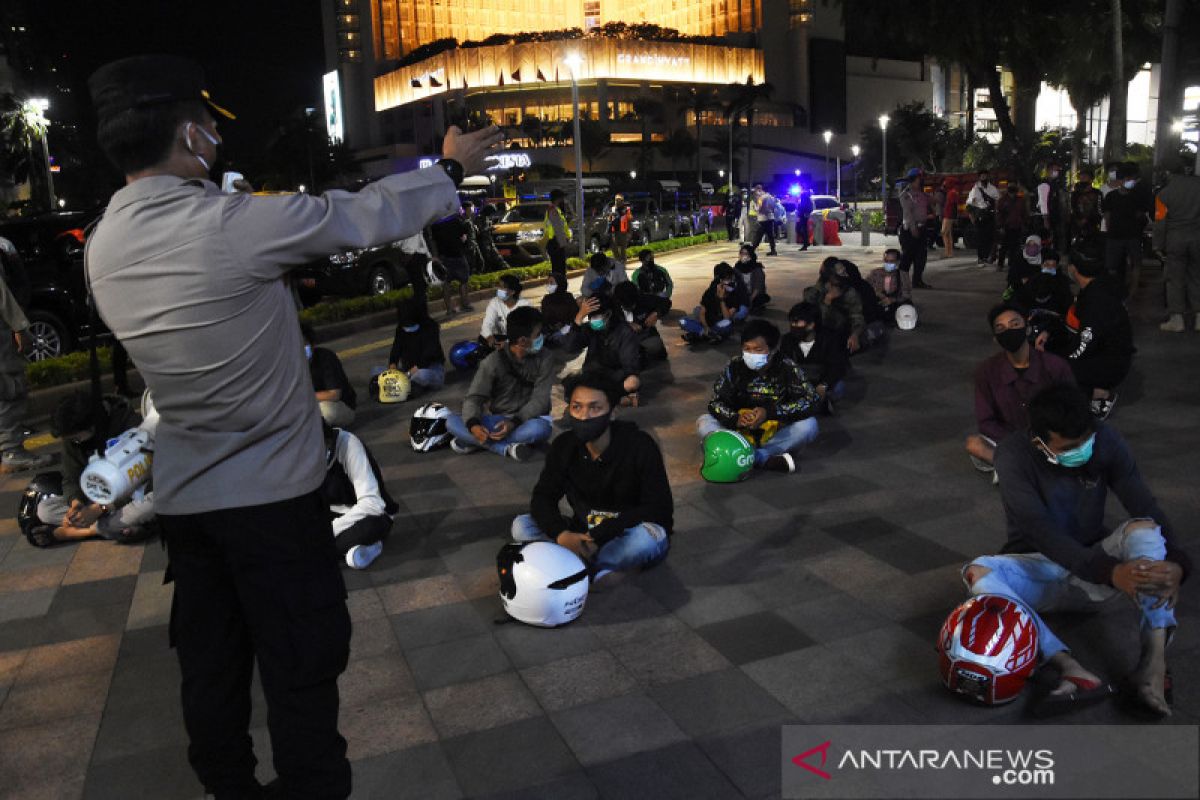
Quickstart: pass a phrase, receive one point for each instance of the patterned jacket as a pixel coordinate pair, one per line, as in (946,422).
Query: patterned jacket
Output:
(780,388)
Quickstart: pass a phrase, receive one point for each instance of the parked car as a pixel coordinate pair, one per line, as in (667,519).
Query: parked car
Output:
(698,219)
(371,270)
(51,247)
(827,206)
(650,224)
(520,235)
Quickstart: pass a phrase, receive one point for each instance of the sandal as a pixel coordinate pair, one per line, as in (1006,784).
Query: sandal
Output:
(1086,693)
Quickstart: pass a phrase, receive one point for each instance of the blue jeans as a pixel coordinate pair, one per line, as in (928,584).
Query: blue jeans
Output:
(696,326)
(1042,585)
(429,378)
(788,439)
(638,547)
(531,431)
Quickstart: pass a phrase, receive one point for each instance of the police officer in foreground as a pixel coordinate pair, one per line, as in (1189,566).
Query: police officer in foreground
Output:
(191,280)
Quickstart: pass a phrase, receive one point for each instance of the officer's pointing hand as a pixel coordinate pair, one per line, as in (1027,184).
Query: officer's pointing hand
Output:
(470,149)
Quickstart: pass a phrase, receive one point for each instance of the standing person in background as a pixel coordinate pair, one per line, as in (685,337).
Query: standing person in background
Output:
(484,221)
(14,389)
(1177,237)
(1127,211)
(239,453)
(1085,208)
(450,241)
(558,233)
(732,211)
(804,209)
(767,206)
(621,226)
(949,215)
(1053,205)
(416,258)
(471,249)
(914,203)
(981,205)
(1013,213)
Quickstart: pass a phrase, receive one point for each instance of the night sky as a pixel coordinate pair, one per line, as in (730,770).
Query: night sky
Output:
(263,58)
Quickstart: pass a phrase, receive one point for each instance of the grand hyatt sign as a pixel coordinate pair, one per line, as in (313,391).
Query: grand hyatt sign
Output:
(539,64)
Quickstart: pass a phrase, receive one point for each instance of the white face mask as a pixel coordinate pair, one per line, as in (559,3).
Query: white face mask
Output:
(1112,176)
(187,139)
(755,361)
(308,351)
(502,294)
(1129,184)
(628,316)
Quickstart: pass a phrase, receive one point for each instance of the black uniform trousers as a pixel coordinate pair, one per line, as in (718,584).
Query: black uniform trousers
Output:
(914,251)
(765,230)
(261,583)
(558,257)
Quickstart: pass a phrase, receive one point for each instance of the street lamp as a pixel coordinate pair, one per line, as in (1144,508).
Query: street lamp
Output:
(35,110)
(573,62)
(855,150)
(883,186)
(633,174)
(828,136)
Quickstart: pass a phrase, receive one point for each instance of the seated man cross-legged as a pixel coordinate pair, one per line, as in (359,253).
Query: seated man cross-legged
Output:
(765,397)
(360,508)
(612,475)
(1060,556)
(514,383)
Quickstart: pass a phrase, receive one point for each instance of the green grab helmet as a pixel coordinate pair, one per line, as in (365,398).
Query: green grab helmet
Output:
(728,457)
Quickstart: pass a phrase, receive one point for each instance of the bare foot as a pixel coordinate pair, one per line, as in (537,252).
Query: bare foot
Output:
(1074,676)
(1149,678)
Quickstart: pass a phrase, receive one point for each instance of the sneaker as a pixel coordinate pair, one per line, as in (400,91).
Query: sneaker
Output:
(981,465)
(995,478)
(361,555)
(1174,324)
(461,449)
(1103,406)
(781,463)
(22,459)
(519,452)
(981,263)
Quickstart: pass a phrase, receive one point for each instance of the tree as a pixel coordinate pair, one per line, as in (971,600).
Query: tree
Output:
(647,109)
(916,138)
(746,97)
(679,145)
(593,138)
(21,133)
(534,129)
(697,100)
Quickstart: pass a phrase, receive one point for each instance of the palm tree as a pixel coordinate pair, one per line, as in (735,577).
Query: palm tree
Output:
(21,130)
(746,97)
(678,145)
(697,100)
(647,109)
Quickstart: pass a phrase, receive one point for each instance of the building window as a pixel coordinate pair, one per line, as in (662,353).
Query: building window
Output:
(352,56)
(347,22)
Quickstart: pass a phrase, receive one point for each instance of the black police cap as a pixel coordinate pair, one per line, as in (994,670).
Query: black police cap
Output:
(146,81)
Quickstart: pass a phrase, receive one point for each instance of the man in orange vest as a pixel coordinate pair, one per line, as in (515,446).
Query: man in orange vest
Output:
(620,224)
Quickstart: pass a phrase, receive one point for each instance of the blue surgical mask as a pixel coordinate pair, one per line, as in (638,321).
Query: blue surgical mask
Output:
(308,351)
(412,328)
(1075,457)
(598,324)
(755,361)
(502,294)
(890,266)
(536,346)
(1051,271)
(1129,184)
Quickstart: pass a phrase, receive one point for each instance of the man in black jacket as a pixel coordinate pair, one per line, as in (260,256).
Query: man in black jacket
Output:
(612,475)
(417,348)
(1099,337)
(641,311)
(819,352)
(765,397)
(613,348)
(1060,555)
(335,396)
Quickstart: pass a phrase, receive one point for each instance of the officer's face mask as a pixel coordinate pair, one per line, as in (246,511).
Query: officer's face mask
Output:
(213,167)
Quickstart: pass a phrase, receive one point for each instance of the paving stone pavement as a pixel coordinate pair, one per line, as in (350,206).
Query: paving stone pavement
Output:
(813,597)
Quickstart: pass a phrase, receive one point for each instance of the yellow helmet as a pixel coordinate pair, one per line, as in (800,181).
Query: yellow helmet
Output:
(394,386)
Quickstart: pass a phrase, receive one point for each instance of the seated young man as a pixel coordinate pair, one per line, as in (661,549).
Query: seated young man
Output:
(613,347)
(559,308)
(71,516)
(602,270)
(335,395)
(841,306)
(892,287)
(508,297)
(723,303)
(360,508)
(1047,289)
(417,348)
(612,476)
(1059,556)
(653,279)
(764,396)
(819,353)
(753,279)
(1007,381)
(641,312)
(1098,340)
(513,384)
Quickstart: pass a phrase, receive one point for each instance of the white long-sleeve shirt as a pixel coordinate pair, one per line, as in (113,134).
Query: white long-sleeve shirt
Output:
(495,317)
(350,453)
(975,198)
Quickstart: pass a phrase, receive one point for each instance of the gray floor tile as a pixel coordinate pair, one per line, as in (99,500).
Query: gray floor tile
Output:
(754,637)
(832,617)
(528,646)
(578,680)
(122,778)
(718,702)
(576,786)
(680,771)
(499,760)
(457,661)
(681,655)
(418,773)
(478,705)
(113,591)
(27,604)
(615,728)
(417,629)
(748,757)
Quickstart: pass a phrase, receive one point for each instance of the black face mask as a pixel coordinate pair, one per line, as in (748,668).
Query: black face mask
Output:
(587,430)
(807,333)
(1012,339)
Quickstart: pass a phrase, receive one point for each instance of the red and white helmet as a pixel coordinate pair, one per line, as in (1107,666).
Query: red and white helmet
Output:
(988,648)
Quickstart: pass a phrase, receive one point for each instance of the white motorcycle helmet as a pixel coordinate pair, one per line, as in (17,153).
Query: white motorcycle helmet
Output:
(428,431)
(149,414)
(393,386)
(906,317)
(541,583)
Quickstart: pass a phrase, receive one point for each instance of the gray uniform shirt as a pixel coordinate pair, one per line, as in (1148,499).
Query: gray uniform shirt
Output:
(191,281)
